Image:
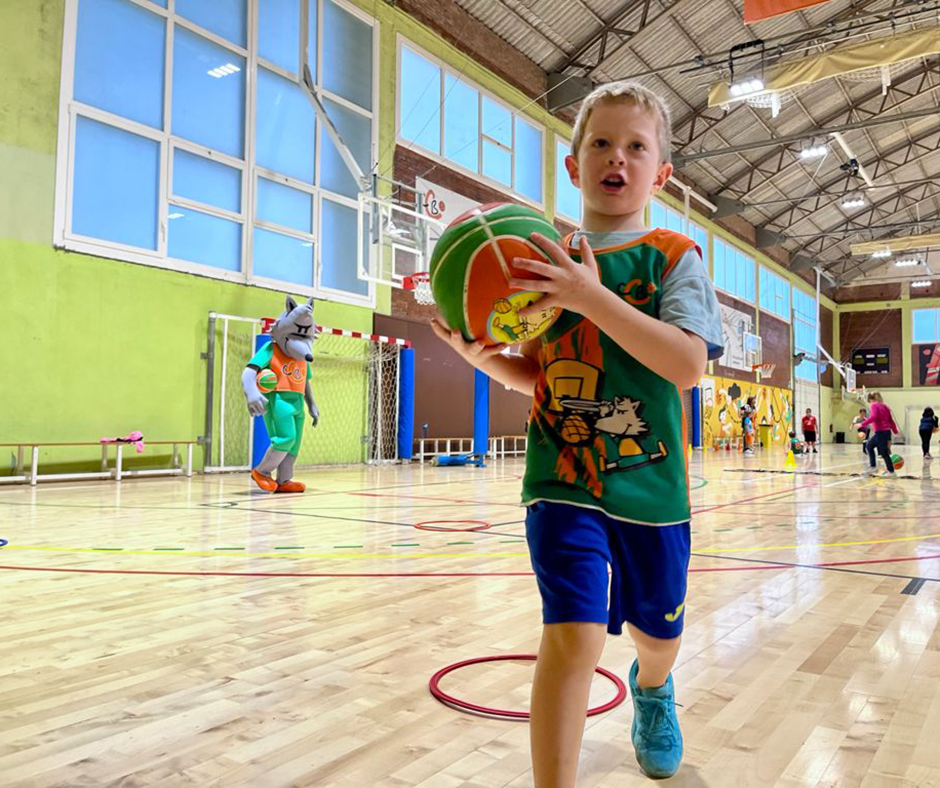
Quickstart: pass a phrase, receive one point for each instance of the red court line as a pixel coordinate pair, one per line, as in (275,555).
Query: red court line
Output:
(747,500)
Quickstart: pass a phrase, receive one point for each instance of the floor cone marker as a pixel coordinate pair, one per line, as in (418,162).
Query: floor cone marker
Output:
(790,464)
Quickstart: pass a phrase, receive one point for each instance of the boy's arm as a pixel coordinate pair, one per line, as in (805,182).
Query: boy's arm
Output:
(519,373)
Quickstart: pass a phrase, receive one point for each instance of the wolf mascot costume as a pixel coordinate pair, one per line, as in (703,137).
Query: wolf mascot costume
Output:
(288,356)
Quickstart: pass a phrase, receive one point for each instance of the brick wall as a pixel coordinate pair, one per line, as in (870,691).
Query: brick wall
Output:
(854,295)
(881,328)
(775,348)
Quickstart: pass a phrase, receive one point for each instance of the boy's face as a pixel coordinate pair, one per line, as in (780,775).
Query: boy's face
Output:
(619,163)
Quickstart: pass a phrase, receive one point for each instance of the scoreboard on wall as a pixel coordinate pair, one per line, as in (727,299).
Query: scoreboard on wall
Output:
(872,360)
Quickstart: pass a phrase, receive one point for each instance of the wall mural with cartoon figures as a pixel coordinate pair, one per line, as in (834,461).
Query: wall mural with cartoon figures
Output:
(722,399)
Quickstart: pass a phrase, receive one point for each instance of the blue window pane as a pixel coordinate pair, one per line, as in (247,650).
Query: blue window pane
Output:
(461,123)
(749,279)
(280,257)
(528,160)
(280,204)
(227,18)
(119,56)
(208,93)
(356,132)
(286,133)
(200,238)
(312,22)
(497,122)
(567,195)
(657,214)
(337,250)
(497,163)
(925,325)
(675,221)
(279,33)
(347,55)
(420,101)
(201,179)
(116,185)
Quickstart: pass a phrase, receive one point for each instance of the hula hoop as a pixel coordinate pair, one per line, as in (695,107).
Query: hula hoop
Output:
(481,525)
(462,705)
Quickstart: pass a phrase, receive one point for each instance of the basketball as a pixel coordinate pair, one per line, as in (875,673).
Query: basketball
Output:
(266,381)
(861,435)
(897,461)
(471,267)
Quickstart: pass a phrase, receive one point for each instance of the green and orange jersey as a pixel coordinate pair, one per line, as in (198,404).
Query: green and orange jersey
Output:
(292,374)
(607,432)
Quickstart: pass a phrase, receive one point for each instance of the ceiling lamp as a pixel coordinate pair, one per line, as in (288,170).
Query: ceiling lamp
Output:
(746,87)
(922,283)
(881,254)
(853,200)
(814,152)
(908,262)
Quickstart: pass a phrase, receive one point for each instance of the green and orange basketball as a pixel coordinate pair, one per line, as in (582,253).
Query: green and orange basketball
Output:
(471,267)
(897,461)
(266,381)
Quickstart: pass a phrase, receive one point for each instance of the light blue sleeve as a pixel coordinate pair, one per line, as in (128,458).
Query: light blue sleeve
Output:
(689,302)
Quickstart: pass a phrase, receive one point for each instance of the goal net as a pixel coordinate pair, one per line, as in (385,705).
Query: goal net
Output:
(355,384)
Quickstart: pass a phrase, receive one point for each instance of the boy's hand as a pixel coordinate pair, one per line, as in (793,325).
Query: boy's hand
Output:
(474,353)
(567,284)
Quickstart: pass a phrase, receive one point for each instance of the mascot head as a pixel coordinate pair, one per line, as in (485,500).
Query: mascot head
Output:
(294,331)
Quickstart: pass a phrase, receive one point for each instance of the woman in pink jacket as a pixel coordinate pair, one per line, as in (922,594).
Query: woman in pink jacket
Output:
(883,423)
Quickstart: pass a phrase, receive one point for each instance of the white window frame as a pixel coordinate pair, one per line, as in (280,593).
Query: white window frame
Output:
(69,110)
(936,318)
(492,183)
(753,262)
(787,318)
(563,173)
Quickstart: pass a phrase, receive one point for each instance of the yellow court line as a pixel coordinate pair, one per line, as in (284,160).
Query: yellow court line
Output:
(238,554)
(399,555)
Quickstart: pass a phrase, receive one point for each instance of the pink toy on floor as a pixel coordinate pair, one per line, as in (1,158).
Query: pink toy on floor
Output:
(136,437)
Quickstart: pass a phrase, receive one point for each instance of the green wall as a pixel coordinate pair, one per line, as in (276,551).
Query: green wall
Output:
(104,346)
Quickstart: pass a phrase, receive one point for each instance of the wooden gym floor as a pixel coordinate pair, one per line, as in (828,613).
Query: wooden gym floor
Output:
(200,633)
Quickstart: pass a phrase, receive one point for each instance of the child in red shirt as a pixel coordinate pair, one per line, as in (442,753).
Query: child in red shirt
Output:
(809,430)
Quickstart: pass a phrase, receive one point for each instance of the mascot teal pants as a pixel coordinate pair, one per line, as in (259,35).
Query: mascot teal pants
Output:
(284,418)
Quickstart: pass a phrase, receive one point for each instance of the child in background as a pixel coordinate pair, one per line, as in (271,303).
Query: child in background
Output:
(928,426)
(809,431)
(747,424)
(865,433)
(795,445)
(883,422)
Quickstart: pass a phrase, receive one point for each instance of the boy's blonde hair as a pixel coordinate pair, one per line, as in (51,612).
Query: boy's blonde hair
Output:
(626,93)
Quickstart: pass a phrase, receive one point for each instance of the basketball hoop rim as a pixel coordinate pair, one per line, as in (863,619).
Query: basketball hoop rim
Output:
(411,282)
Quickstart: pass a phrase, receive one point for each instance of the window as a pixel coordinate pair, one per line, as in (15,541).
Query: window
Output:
(449,117)
(804,334)
(926,325)
(661,215)
(567,195)
(774,294)
(175,168)
(734,271)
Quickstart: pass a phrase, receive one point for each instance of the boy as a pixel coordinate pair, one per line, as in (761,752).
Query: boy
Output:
(795,445)
(863,434)
(809,431)
(606,480)
(747,424)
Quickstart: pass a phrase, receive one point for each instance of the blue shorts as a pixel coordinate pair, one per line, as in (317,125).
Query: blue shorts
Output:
(571,548)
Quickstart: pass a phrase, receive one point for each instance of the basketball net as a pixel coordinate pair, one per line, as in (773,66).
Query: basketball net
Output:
(763,370)
(420,285)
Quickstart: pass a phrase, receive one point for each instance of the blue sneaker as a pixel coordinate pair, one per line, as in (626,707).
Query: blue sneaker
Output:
(657,739)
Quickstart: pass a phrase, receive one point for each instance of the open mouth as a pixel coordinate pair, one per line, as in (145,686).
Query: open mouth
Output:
(613,184)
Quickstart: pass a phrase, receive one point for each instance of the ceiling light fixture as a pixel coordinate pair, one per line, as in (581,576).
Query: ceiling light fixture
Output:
(882,254)
(922,283)
(814,152)
(853,200)
(746,87)
(907,262)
